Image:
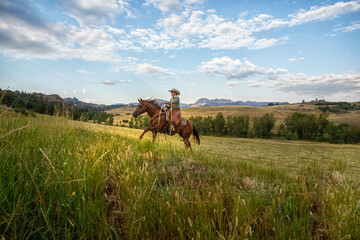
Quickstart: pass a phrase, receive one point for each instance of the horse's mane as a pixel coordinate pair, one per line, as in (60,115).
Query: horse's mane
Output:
(152,101)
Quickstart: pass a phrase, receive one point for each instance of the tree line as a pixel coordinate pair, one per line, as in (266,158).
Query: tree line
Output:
(30,103)
(298,126)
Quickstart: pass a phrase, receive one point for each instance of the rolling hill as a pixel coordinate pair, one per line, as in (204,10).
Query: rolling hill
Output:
(280,112)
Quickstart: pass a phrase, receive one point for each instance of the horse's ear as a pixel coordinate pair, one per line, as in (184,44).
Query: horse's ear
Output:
(138,100)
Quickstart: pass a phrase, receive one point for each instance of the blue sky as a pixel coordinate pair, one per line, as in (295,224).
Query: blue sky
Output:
(115,51)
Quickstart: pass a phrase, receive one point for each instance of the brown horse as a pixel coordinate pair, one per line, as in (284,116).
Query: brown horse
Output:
(153,108)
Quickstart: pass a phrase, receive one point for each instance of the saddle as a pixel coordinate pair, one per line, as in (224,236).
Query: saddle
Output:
(182,121)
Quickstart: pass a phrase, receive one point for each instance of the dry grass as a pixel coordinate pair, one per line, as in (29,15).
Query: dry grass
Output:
(71,180)
(280,112)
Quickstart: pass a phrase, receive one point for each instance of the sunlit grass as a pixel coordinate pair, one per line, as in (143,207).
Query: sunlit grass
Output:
(62,179)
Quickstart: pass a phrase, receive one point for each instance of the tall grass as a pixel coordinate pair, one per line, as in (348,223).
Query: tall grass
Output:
(61,180)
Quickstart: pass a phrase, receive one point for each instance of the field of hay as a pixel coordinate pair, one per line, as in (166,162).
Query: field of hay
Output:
(62,179)
(280,112)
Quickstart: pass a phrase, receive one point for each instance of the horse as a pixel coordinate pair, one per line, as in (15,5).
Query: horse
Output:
(153,108)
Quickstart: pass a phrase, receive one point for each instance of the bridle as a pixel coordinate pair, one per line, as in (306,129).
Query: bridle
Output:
(140,109)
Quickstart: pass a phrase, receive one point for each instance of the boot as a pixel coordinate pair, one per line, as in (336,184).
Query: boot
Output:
(166,129)
(173,127)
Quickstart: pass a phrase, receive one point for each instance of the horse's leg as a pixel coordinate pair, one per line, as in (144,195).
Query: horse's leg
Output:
(185,142)
(154,135)
(189,144)
(145,131)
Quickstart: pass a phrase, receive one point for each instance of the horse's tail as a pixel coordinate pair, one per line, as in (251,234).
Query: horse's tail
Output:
(196,135)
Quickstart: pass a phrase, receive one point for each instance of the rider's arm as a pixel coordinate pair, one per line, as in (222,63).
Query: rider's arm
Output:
(167,103)
(176,100)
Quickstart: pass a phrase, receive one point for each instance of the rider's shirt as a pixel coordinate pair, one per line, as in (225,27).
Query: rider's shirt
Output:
(175,102)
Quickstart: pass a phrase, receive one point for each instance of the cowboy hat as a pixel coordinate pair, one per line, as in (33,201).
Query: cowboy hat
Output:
(175,90)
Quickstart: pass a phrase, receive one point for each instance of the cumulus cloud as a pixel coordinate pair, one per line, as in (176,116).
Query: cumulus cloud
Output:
(321,86)
(83,91)
(96,11)
(32,36)
(84,71)
(146,68)
(165,5)
(112,83)
(195,28)
(236,69)
(325,85)
(26,33)
(172,5)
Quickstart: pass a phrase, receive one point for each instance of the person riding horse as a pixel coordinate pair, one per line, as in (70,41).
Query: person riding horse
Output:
(173,109)
(159,120)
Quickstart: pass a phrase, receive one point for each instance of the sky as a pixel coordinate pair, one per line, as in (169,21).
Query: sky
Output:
(115,51)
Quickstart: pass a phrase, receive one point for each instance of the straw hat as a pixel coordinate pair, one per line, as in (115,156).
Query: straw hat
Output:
(175,90)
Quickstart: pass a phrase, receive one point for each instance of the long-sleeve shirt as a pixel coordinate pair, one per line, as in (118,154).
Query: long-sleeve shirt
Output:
(175,102)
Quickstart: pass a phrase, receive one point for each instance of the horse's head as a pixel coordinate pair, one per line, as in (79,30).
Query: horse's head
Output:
(140,108)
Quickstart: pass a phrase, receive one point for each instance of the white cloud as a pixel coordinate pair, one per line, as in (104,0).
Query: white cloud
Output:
(353,27)
(38,91)
(172,5)
(96,11)
(112,83)
(83,91)
(165,5)
(26,34)
(194,28)
(89,100)
(84,71)
(235,69)
(116,31)
(74,91)
(323,13)
(146,68)
(294,59)
(320,86)
(324,85)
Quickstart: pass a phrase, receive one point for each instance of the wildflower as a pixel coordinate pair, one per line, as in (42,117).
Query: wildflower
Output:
(73,193)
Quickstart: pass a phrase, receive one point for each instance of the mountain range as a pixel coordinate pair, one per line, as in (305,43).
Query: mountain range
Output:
(205,102)
(202,102)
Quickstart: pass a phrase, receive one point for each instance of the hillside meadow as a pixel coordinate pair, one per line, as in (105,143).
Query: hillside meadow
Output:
(63,179)
(280,113)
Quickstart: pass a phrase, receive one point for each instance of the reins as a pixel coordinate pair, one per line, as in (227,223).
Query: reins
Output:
(159,120)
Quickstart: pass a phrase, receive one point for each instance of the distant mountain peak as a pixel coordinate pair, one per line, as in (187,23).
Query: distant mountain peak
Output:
(205,102)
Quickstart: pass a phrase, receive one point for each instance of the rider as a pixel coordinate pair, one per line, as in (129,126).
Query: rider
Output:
(174,105)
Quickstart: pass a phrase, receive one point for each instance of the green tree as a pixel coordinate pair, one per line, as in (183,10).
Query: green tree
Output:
(219,124)
(264,125)
(241,126)
(281,131)
(207,124)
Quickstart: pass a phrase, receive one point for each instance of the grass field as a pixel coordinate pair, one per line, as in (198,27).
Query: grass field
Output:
(280,112)
(62,179)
